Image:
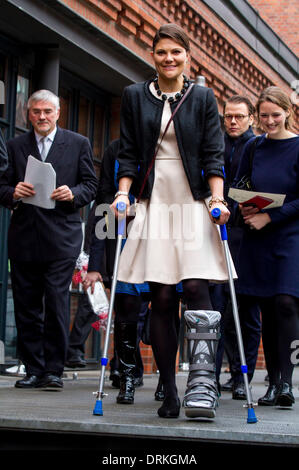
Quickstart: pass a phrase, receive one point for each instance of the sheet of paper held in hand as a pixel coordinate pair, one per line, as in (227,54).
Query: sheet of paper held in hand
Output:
(261,200)
(43,177)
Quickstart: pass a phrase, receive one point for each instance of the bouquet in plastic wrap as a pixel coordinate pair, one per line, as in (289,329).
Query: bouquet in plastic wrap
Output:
(98,298)
(81,268)
(100,305)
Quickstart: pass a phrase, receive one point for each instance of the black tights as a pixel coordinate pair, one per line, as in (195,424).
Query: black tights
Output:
(280,327)
(127,308)
(164,328)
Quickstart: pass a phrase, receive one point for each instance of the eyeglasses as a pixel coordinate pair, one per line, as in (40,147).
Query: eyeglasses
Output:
(236,117)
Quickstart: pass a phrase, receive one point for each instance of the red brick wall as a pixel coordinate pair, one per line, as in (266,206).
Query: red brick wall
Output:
(260,363)
(228,63)
(282,16)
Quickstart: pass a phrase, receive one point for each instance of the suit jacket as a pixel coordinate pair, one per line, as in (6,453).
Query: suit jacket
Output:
(3,153)
(37,234)
(102,252)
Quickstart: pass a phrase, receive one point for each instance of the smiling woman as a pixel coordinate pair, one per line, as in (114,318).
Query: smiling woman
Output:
(269,260)
(186,174)
(170,59)
(275,113)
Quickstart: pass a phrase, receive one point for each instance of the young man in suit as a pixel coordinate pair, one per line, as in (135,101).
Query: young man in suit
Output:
(3,154)
(43,244)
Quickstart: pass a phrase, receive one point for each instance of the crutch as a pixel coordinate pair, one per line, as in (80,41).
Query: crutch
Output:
(251,418)
(98,408)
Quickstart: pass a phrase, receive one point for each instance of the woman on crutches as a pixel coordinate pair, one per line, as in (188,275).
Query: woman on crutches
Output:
(173,164)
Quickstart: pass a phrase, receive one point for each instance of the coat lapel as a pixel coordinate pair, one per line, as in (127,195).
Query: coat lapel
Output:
(30,146)
(57,147)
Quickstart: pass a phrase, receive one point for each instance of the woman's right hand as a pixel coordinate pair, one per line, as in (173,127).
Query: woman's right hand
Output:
(224,213)
(118,199)
(90,279)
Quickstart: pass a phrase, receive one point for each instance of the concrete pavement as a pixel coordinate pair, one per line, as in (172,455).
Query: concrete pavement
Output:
(70,413)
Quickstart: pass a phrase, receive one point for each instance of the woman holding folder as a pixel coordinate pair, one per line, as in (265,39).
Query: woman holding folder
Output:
(269,255)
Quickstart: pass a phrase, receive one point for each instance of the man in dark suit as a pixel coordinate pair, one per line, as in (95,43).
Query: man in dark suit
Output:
(3,154)
(43,244)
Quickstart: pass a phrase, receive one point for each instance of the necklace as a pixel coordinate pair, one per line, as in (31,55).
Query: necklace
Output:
(177,96)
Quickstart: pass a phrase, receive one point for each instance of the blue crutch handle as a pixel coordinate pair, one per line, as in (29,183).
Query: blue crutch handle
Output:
(216,214)
(121,207)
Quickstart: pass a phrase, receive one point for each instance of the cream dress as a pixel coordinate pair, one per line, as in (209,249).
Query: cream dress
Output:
(172,236)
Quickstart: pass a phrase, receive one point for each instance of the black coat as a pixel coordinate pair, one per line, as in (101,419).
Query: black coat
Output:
(198,133)
(3,153)
(37,234)
(232,155)
(102,252)
(106,187)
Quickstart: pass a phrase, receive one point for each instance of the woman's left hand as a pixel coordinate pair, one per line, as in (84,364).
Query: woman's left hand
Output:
(257,221)
(224,216)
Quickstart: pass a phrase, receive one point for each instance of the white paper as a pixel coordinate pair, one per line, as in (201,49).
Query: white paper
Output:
(241,195)
(43,178)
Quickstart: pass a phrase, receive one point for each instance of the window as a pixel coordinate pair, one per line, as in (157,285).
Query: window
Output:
(23,93)
(3,91)
(98,131)
(65,102)
(84,116)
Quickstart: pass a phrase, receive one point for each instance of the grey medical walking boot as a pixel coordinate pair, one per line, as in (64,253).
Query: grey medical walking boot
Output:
(201,396)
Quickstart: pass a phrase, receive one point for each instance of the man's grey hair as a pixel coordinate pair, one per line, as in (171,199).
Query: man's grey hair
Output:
(44,95)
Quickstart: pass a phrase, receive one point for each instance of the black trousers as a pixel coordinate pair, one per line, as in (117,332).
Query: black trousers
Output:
(42,313)
(84,317)
(250,322)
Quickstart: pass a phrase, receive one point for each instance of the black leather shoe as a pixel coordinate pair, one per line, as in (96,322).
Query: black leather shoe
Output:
(270,397)
(75,363)
(228,386)
(29,381)
(170,408)
(127,389)
(285,395)
(114,376)
(138,382)
(50,382)
(239,391)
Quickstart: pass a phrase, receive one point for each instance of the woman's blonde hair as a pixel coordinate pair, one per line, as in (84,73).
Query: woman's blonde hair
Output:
(275,95)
